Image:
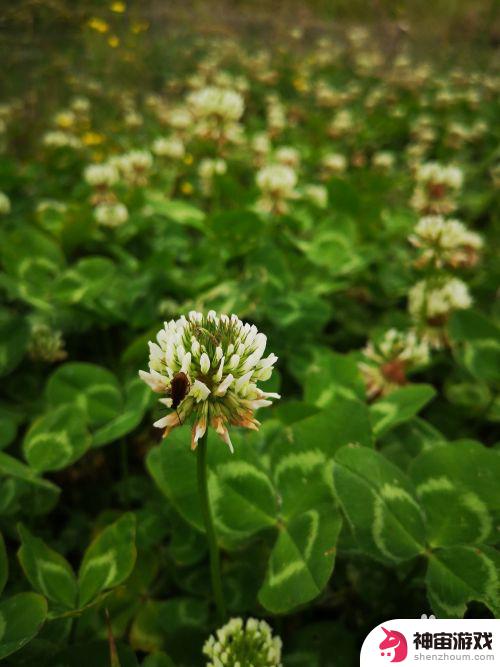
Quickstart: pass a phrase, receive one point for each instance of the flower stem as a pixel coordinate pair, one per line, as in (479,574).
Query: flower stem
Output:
(209,528)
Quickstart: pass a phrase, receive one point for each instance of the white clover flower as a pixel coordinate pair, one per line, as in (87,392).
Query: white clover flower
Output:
(342,124)
(240,644)
(171,147)
(387,362)
(277,184)
(334,163)
(383,160)
(261,145)
(212,101)
(276,116)
(445,242)
(111,214)
(216,361)
(134,166)
(4,204)
(436,174)
(209,167)
(180,118)
(101,175)
(59,139)
(80,105)
(316,194)
(435,188)
(133,119)
(434,303)
(277,180)
(288,156)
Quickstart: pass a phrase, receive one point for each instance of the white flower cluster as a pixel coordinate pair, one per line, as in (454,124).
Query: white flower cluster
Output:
(111,214)
(60,139)
(208,169)
(445,242)
(239,644)
(288,156)
(316,194)
(134,166)
(341,125)
(4,204)
(333,163)
(217,360)
(276,115)
(225,104)
(277,183)
(179,119)
(387,362)
(383,160)
(435,188)
(101,175)
(170,147)
(432,301)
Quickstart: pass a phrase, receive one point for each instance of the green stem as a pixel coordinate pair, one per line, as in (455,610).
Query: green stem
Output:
(206,511)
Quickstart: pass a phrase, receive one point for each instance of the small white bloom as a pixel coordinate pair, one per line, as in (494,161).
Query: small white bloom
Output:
(334,163)
(217,102)
(101,175)
(111,215)
(171,147)
(4,204)
(239,644)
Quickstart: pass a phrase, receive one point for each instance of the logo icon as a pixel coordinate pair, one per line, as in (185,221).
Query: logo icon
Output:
(394,645)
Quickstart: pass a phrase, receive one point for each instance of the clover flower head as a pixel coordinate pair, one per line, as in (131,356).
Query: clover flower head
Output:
(4,204)
(60,139)
(218,360)
(80,105)
(316,194)
(342,124)
(111,214)
(261,144)
(387,362)
(435,174)
(277,183)
(435,186)
(383,160)
(214,101)
(334,163)
(209,167)
(436,301)
(180,118)
(101,175)
(277,180)
(134,166)
(288,156)
(445,242)
(171,147)
(240,644)
(431,303)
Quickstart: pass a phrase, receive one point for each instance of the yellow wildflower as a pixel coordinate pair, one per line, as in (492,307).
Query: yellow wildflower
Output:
(97,24)
(92,138)
(118,7)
